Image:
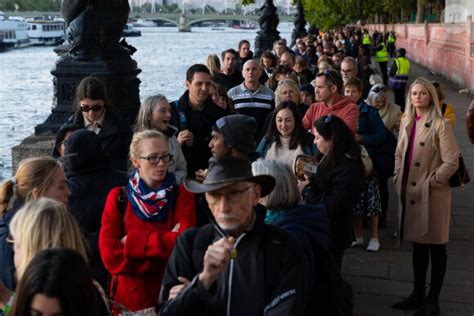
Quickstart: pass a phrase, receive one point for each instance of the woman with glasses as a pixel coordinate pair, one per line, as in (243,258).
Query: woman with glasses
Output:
(389,112)
(35,178)
(338,181)
(155,114)
(142,221)
(94,112)
(286,137)
(427,156)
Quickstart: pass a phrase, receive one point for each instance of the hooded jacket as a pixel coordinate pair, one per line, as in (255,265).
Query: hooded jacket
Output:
(344,108)
(89,179)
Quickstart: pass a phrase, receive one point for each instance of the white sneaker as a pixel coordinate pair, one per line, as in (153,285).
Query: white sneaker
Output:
(358,242)
(374,245)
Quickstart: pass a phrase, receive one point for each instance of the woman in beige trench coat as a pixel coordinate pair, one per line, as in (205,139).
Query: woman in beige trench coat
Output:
(427,156)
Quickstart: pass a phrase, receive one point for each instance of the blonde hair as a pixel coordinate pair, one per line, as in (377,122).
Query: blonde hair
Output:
(434,116)
(213,64)
(139,136)
(32,173)
(145,115)
(43,224)
(287,83)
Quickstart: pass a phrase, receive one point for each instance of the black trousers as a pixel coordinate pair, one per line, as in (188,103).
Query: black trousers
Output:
(399,96)
(421,258)
(383,69)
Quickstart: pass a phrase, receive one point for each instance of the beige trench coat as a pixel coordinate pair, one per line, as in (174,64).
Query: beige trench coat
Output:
(427,192)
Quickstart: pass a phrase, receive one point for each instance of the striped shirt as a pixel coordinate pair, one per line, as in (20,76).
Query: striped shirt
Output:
(257,104)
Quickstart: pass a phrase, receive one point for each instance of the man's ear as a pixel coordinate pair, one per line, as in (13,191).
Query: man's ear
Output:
(257,194)
(187,84)
(333,88)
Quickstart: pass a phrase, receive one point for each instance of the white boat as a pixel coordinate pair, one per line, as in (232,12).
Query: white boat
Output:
(14,33)
(46,31)
(144,23)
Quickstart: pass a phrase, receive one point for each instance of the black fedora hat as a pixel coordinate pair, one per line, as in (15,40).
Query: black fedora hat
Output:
(224,171)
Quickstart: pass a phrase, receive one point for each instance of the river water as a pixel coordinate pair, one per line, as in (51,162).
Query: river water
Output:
(163,54)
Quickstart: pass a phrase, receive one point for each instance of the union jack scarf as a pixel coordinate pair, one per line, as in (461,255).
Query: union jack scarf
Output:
(148,204)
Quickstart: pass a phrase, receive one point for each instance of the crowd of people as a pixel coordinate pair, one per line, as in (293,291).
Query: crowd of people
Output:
(242,196)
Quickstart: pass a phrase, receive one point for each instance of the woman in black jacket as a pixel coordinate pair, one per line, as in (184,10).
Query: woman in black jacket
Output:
(95,113)
(89,179)
(338,182)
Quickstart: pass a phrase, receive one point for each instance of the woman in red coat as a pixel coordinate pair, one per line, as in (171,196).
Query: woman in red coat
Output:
(140,226)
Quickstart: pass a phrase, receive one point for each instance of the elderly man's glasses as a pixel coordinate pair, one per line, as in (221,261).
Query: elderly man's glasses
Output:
(155,159)
(94,108)
(233,197)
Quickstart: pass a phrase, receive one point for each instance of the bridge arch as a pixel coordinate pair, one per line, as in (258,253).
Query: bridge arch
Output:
(190,23)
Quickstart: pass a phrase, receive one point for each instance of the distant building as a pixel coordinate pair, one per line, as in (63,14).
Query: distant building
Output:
(457,11)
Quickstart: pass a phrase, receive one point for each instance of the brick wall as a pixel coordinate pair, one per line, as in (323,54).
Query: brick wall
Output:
(447,49)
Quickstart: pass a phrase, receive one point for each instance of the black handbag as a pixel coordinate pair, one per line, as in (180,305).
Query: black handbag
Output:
(461,176)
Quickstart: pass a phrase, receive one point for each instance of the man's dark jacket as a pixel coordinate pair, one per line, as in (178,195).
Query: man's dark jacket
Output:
(266,275)
(200,124)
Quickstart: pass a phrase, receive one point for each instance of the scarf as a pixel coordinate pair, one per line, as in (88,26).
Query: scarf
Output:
(148,204)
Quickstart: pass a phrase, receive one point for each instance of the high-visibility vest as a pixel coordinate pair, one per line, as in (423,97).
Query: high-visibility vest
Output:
(391,39)
(366,39)
(381,55)
(399,81)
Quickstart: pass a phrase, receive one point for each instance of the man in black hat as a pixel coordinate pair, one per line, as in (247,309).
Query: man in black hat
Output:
(237,264)
(233,135)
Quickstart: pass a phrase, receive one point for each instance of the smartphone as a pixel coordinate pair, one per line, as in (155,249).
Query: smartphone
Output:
(305,165)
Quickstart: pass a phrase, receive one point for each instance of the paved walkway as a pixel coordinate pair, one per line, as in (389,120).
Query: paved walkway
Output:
(383,278)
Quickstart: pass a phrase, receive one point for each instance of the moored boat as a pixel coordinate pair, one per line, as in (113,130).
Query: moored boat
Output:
(14,32)
(46,31)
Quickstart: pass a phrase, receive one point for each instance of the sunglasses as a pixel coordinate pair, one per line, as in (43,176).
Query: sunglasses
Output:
(379,89)
(94,108)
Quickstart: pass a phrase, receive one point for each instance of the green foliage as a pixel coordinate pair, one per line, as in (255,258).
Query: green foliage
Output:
(327,14)
(30,5)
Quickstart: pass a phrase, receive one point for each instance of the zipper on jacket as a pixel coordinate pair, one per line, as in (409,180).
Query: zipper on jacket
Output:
(231,272)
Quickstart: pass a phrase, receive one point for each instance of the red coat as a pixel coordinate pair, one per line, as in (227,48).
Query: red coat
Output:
(141,262)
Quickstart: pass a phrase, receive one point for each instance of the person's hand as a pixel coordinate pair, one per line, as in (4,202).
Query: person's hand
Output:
(185,137)
(303,183)
(215,260)
(5,295)
(201,175)
(176,228)
(175,290)
(124,238)
(358,138)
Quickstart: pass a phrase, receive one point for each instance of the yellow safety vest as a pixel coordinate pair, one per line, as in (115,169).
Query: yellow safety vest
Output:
(391,39)
(366,39)
(399,81)
(381,55)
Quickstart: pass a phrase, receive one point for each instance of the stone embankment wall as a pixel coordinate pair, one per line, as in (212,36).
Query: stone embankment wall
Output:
(447,49)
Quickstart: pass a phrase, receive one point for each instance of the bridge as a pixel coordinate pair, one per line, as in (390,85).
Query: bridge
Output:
(184,23)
